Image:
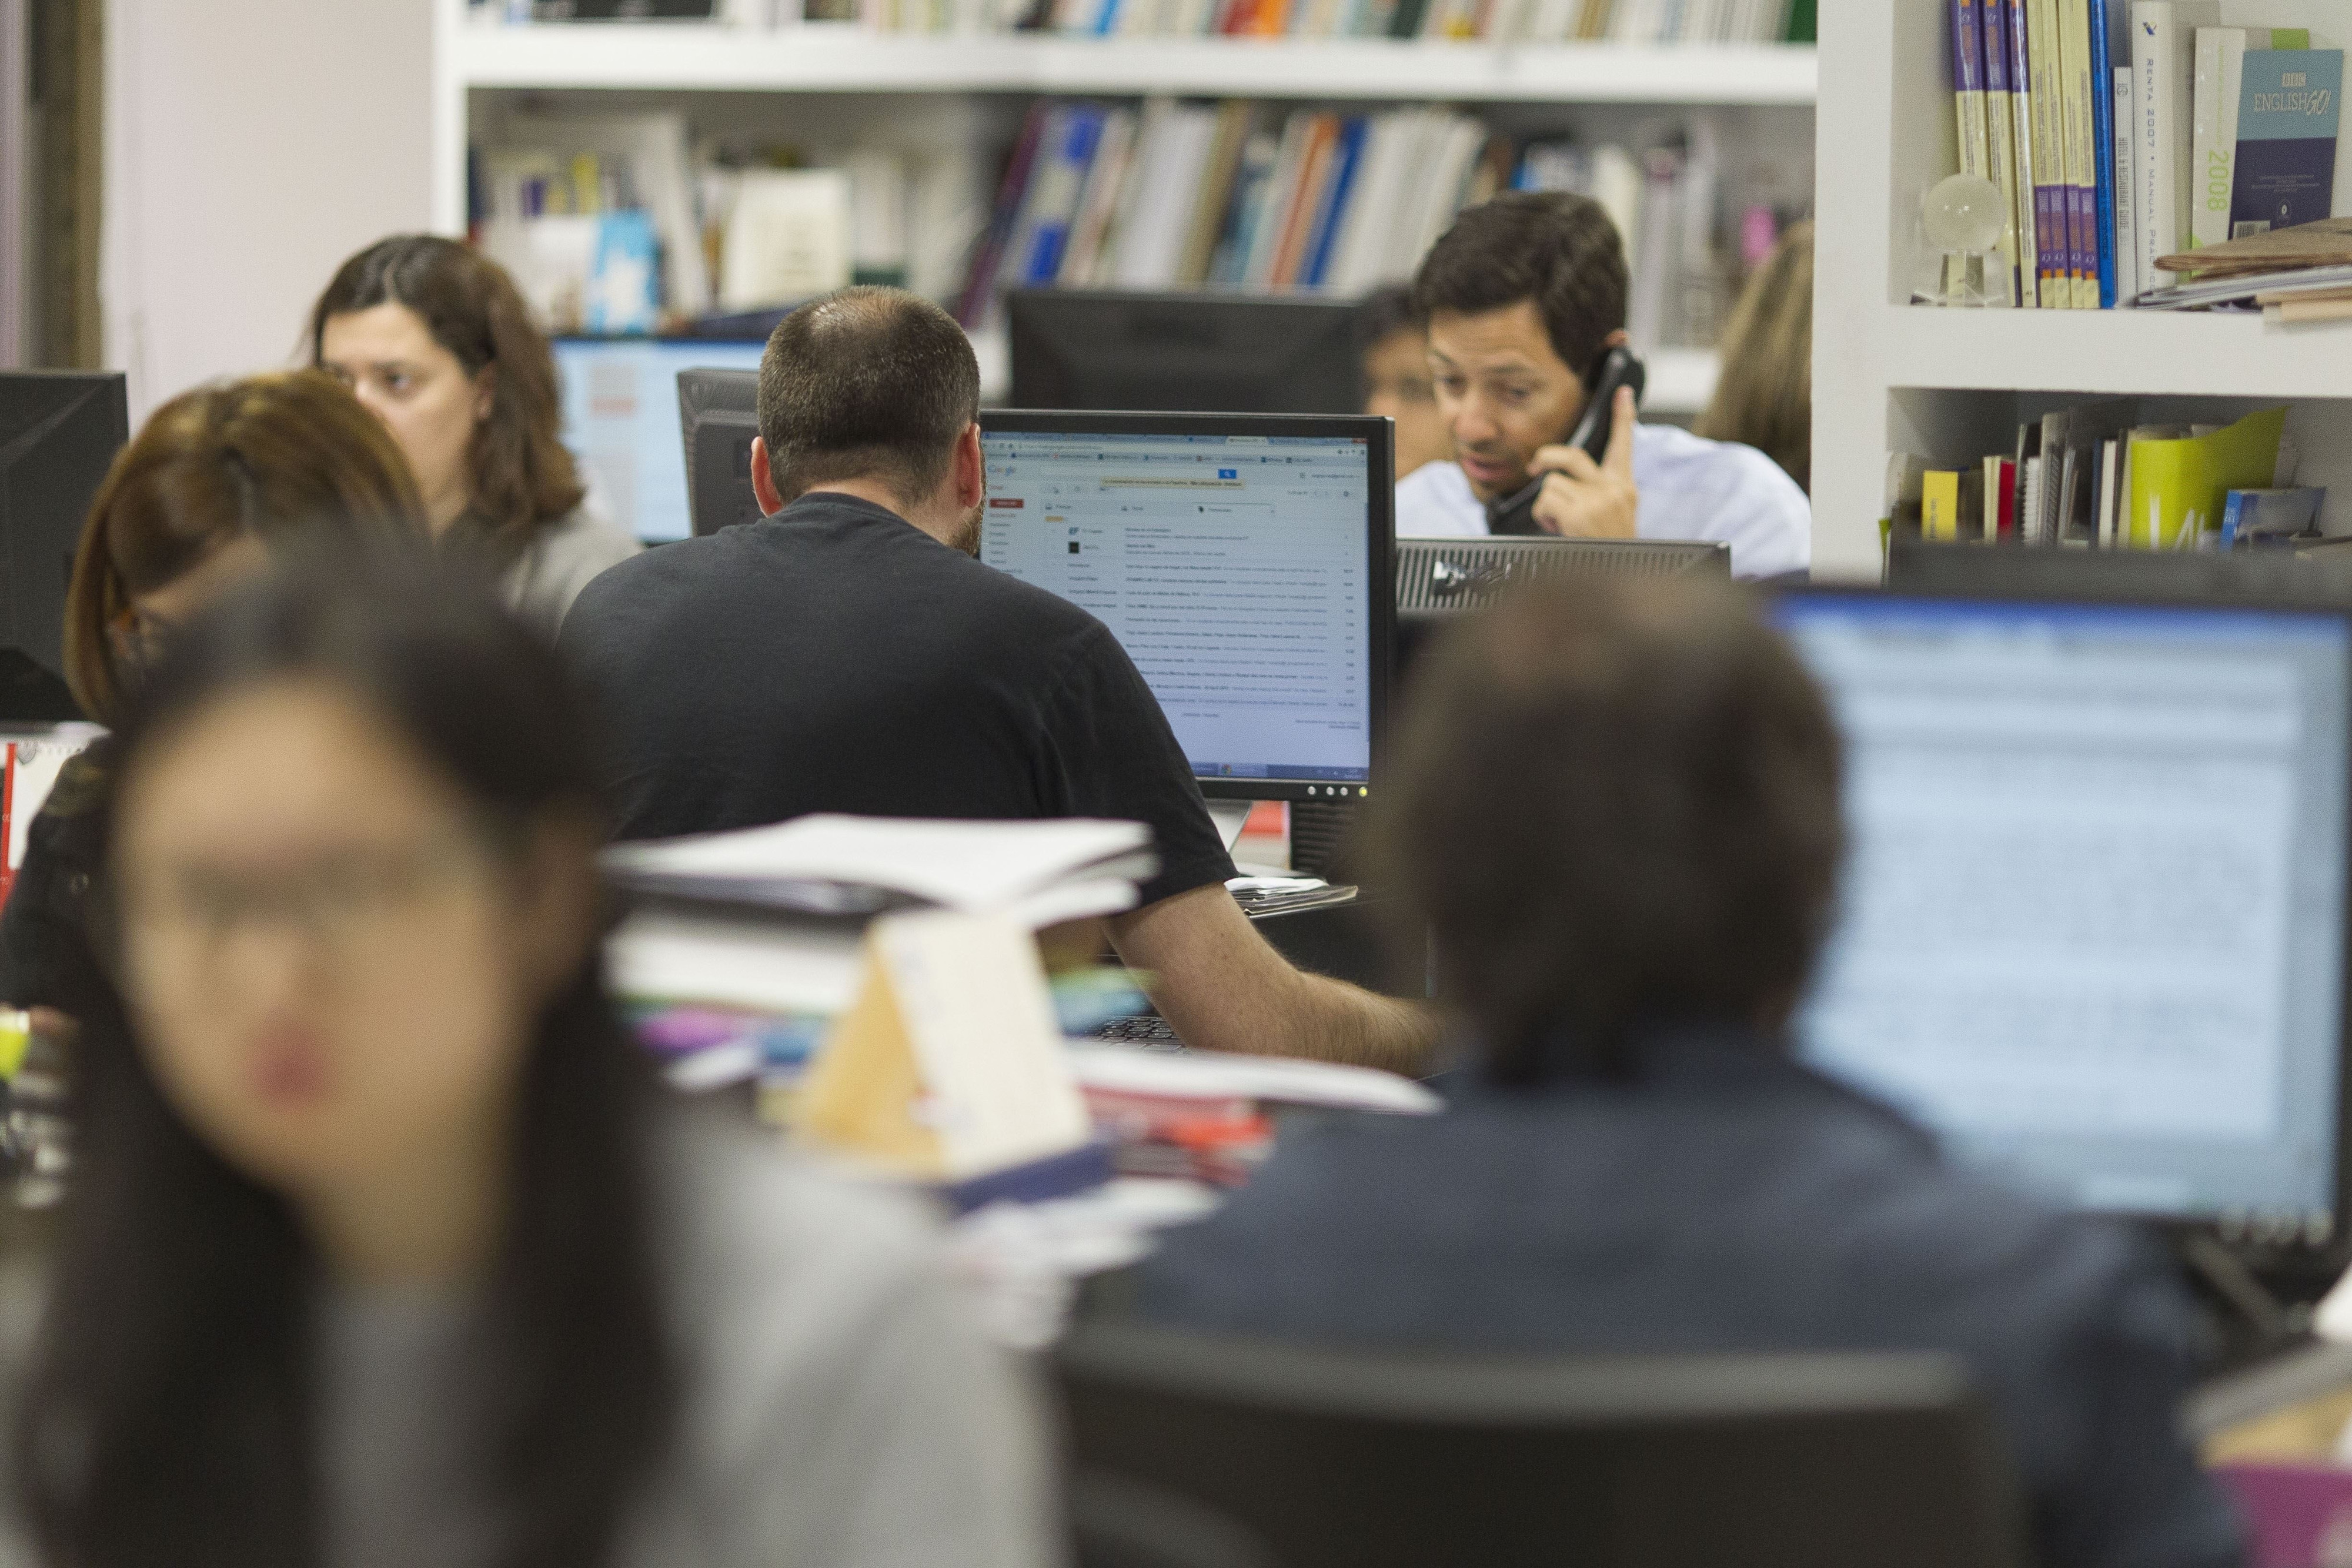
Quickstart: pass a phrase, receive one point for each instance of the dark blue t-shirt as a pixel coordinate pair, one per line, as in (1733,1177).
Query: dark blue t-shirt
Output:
(1726,1197)
(836,658)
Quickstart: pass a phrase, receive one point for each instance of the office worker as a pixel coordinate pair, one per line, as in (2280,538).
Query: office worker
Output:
(849,653)
(384,1248)
(1523,296)
(215,482)
(1637,1162)
(1764,394)
(1395,347)
(434,338)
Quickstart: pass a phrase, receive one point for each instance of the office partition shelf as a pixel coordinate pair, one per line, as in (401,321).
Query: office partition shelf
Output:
(1948,386)
(846,57)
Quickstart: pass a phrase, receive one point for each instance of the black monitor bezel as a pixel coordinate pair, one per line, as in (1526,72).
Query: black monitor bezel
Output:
(1025,331)
(1379,432)
(2251,598)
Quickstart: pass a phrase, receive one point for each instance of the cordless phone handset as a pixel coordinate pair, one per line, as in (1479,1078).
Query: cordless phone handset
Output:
(1515,513)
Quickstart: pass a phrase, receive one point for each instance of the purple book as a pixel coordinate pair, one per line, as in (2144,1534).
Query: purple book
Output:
(2293,1511)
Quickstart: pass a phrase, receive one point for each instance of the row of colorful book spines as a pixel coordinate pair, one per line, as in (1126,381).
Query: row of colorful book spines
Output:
(1447,19)
(1996,46)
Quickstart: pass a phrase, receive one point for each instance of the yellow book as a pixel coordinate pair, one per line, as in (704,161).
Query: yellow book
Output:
(1939,506)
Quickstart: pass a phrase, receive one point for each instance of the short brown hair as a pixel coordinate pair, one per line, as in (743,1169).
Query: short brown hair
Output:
(1765,395)
(269,455)
(1558,250)
(1616,805)
(522,477)
(867,383)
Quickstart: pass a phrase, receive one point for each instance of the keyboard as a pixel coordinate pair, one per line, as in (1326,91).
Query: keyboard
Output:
(1141,1028)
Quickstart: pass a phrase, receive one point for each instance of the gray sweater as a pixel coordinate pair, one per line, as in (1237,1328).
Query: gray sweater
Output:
(839,1411)
(563,558)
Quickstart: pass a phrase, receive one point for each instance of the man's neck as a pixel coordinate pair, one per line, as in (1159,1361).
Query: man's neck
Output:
(940,522)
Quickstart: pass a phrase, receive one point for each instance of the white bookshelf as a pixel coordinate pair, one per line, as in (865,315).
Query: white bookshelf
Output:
(837,57)
(1953,384)
(842,72)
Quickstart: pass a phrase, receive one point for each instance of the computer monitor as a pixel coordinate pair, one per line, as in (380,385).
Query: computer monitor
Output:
(1088,348)
(618,398)
(1243,561)
(2094,921)
(717,416)
(59,431)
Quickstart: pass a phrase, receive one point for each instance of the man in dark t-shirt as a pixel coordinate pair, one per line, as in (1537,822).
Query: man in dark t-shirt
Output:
(849,653)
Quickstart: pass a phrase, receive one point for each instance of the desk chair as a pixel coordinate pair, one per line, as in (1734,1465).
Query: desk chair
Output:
(1244,1455)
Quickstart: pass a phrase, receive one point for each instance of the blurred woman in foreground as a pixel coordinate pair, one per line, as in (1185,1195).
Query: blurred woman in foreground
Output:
(383,1249)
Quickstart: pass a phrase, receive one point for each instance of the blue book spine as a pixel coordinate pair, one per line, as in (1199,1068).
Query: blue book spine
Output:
(2287,117)
(1066,178)
(2102,148)
(1343,182)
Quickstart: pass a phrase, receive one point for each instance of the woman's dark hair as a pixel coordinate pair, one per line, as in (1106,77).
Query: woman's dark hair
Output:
(1382,314)
(523,478)
(281,457)
(170,1412)
(1558,250)
(1615,805)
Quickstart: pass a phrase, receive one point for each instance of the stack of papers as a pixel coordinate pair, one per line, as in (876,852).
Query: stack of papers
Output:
(2311,262)
(1039,872)
(764,927)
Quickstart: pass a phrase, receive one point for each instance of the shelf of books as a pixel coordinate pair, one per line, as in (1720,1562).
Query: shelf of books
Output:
(849,58)
(756,166)
(1903,382)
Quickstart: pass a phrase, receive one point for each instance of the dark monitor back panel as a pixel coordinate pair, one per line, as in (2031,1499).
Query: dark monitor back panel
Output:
(59,431)
(1184,352)
(718,422)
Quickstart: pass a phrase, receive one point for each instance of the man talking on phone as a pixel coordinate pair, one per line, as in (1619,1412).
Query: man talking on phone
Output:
(1525,299)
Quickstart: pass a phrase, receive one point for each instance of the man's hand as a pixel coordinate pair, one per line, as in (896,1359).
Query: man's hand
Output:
(1588,500)
(1223,987)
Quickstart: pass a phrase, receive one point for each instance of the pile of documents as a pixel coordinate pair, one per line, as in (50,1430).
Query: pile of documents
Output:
(742,949)
(2292,275)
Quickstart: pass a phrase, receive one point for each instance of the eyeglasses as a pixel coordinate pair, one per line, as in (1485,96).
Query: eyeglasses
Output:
(343,900)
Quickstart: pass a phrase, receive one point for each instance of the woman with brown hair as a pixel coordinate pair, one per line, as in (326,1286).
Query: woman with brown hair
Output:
(217,482)
(435,340)
(1764,398)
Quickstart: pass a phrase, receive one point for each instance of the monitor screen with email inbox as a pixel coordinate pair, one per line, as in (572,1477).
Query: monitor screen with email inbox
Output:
(2092,924)
(1243,563)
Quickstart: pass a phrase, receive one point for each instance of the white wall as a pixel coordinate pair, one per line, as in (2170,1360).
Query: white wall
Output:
(250,146)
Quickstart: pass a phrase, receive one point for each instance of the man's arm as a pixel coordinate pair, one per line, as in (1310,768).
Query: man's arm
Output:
(1223,987)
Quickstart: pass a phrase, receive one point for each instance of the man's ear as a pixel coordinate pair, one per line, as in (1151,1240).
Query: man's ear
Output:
(764,479)
(970,470)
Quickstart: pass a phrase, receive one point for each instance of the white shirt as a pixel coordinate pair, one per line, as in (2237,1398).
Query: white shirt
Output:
(1692,488)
